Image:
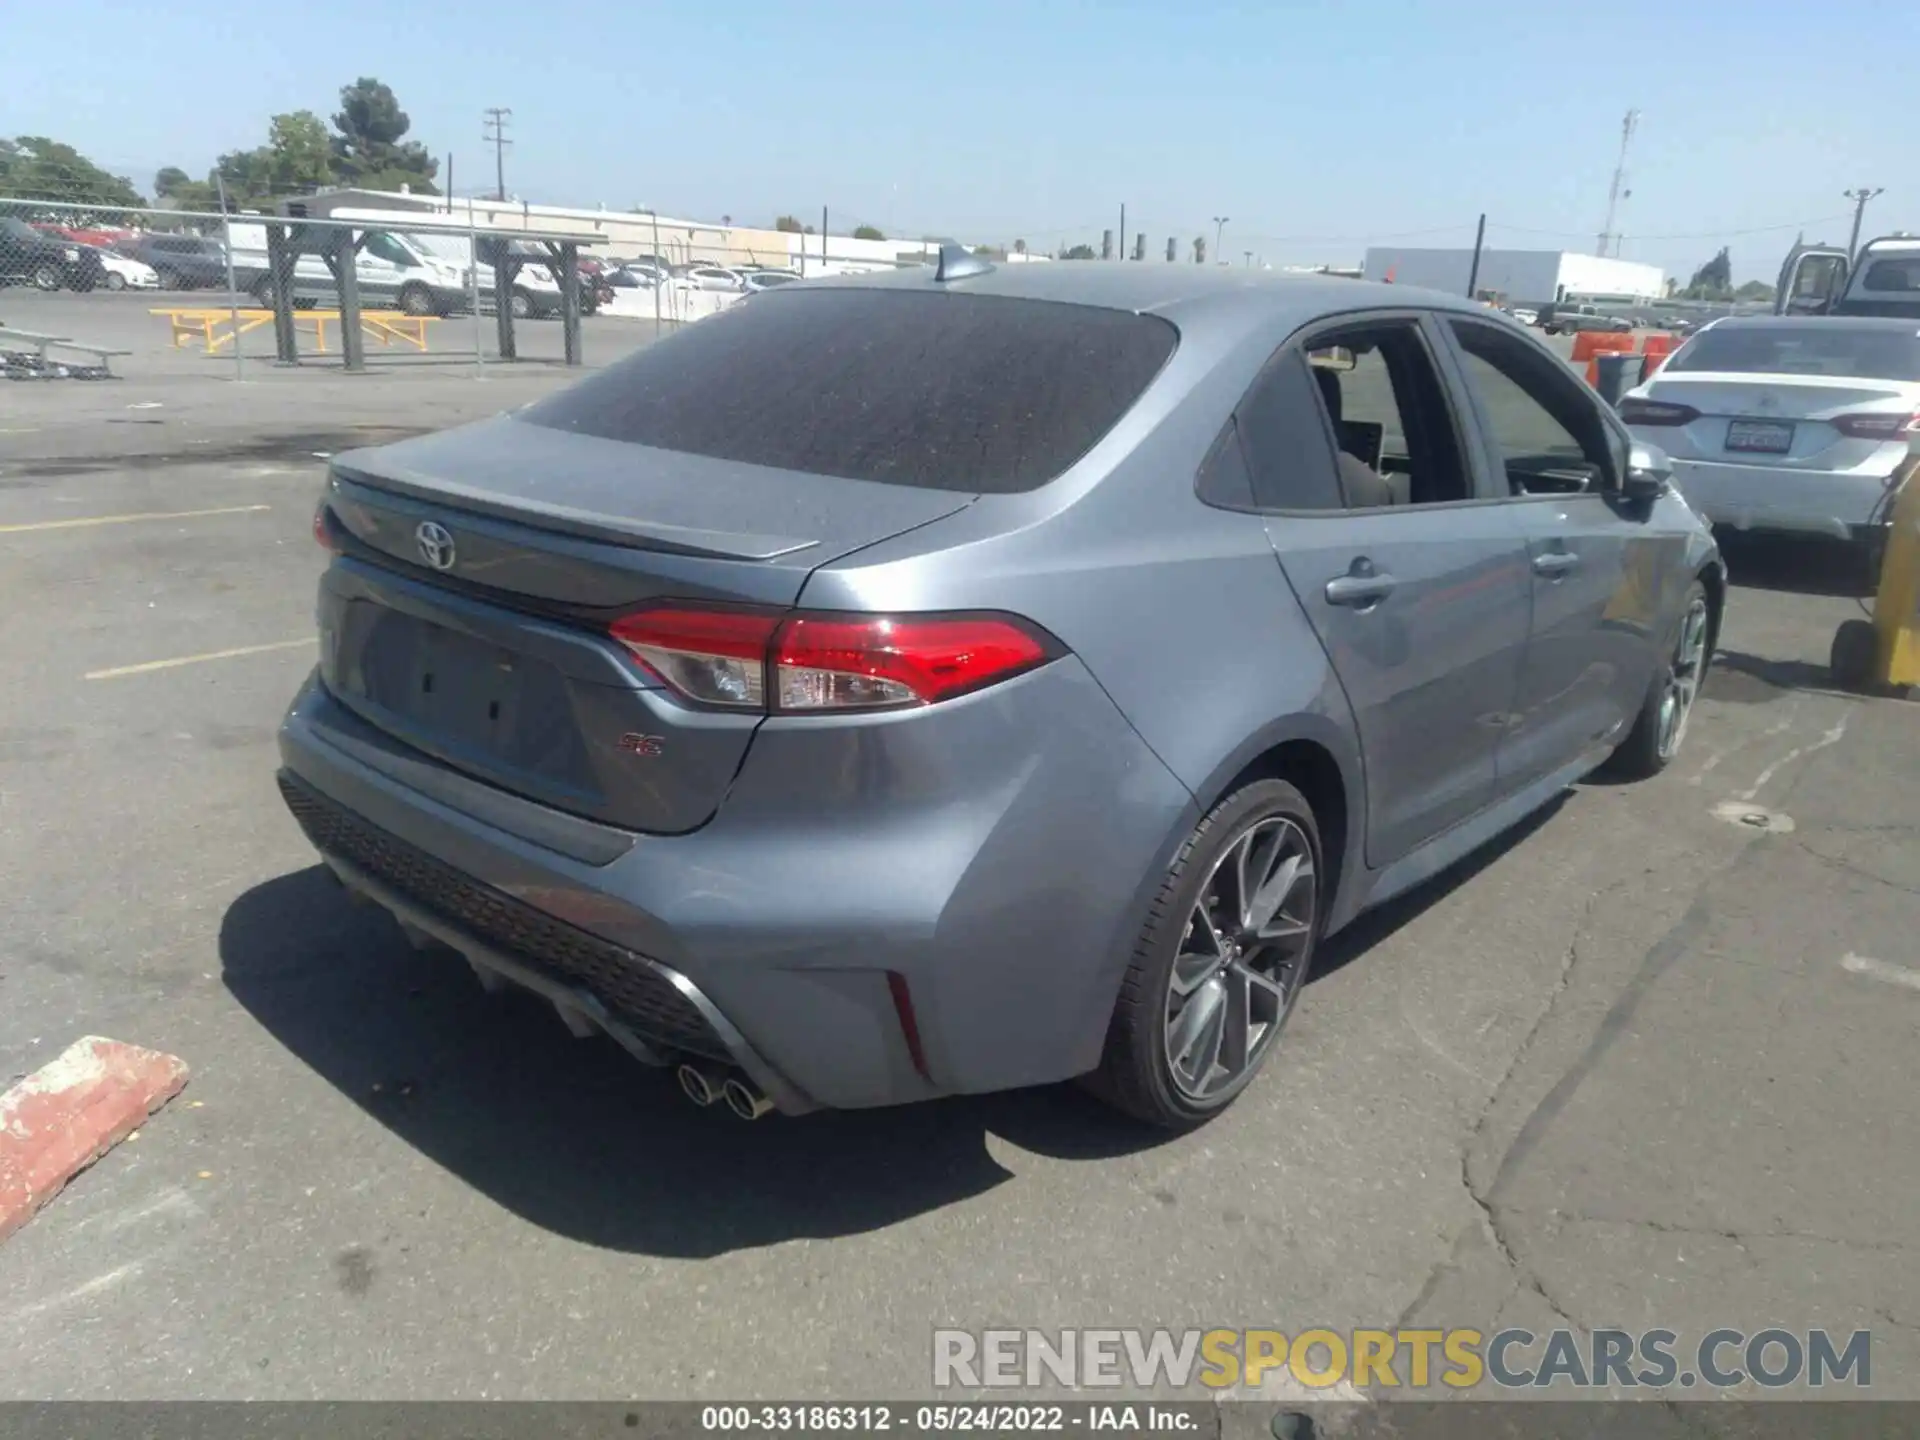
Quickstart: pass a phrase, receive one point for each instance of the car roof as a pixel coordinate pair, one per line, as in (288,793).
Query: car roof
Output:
(1182,293)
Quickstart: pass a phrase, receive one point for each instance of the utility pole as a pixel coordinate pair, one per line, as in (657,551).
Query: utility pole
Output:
(1860,198)
(494,124)
(1619,192)
(1479,244)
(1219,226)
(1123,232)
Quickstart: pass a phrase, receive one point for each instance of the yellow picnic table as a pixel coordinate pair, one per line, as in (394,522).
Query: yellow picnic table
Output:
(215,326)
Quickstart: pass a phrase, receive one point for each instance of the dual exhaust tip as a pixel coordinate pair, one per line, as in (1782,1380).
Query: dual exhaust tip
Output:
(706,1085)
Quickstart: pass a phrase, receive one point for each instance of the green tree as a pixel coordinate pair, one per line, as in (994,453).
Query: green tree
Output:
(788,225)
(169,179)
(867,232)
(1199,249)
(299,153)
(370,150)
(1713,280)
(1077,252)
(33,167)
(1755,290)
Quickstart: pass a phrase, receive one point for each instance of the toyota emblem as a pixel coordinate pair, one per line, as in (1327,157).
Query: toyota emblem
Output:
(435,543)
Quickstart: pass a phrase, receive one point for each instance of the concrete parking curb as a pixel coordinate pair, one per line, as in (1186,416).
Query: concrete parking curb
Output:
(70,1112)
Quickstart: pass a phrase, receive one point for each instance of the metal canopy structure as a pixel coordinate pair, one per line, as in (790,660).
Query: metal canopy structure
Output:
(338,241)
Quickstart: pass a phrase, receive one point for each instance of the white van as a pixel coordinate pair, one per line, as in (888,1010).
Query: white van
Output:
(392,270)
(419,274)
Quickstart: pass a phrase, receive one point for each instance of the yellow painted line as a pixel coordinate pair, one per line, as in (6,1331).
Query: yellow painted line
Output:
(151,665)
(129,519)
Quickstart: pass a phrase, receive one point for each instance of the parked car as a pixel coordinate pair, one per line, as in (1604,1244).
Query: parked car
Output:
(980,709)
(183,262)
(47,262)
(1569,319)
(1524,315)
(757,280)
(710,277)
(120,272)
(632,277)
(1881,278)
(1792,425)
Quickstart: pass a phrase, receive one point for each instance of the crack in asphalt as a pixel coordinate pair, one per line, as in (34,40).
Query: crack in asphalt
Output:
(1738,1237)
(1849,867)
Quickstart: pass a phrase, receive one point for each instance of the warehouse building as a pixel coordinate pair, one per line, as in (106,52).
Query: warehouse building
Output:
(1522,277)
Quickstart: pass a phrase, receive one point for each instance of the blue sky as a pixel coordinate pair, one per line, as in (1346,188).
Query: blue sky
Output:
(1315,127)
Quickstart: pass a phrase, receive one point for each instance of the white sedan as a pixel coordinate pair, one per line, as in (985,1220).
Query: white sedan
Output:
(123,272)
(1792,424)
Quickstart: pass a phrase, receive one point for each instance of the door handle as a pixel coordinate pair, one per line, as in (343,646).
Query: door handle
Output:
(1359,591)
(1555,562)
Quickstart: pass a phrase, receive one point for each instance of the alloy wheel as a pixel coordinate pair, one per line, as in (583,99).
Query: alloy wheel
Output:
(1242,958)
(1683,678)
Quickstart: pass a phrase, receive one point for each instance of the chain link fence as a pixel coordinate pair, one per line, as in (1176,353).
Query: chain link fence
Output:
(88,284)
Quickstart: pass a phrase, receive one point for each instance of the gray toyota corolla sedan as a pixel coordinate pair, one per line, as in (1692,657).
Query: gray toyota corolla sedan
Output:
(975,677)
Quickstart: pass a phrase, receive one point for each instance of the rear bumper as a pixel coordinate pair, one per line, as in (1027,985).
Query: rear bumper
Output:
(1837,504)
(770,937)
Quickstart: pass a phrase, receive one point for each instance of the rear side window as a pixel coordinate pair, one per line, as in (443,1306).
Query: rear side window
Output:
(1286,440)
(943,391)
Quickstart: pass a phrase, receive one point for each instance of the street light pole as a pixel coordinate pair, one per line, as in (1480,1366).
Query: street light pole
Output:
(1219,227)
(1860,198)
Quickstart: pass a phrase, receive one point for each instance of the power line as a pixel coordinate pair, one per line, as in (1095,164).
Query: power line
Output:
(494,127)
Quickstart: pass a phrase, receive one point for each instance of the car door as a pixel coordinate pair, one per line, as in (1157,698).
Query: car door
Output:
(1598,561)
(1415,582)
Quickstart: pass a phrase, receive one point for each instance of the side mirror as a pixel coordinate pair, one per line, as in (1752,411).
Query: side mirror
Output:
(1649,472)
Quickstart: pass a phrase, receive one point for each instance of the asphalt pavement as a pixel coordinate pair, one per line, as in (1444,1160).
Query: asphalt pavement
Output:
(1646,1062)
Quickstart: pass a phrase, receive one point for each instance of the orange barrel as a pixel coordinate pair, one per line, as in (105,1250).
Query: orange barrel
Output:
(1589,343)
(1657,349)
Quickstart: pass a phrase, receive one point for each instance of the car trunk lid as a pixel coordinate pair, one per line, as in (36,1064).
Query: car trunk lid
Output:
(1779,420)
(480,569)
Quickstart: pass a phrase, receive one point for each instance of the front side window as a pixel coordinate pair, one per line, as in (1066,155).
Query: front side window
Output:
(1385,407)
(1551,437)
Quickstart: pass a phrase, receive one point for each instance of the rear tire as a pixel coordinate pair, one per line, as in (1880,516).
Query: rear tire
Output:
(46,277)
(1215,973)
(1856,646)
(416,300)
(520,304)
(1661,726)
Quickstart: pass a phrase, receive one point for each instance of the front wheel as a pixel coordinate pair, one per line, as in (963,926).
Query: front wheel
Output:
(1220,962)
(1661,726)
(115,280)
(416,300)
(520,304)
(46,277)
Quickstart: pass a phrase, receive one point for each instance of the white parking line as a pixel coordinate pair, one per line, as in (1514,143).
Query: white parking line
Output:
(129,519)
(1882,970)
(150,665)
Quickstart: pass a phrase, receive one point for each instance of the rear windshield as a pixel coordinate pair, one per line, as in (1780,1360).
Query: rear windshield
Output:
(1902,276)
(1804,347)
(945,391)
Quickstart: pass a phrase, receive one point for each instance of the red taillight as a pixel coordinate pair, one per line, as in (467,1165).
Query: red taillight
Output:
(863,662)
(323,528)
(810,663)
(718,657)
(1656,412)
(1876,427)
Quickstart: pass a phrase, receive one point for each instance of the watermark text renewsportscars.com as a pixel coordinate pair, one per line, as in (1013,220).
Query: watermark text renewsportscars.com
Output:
(1407,1359)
